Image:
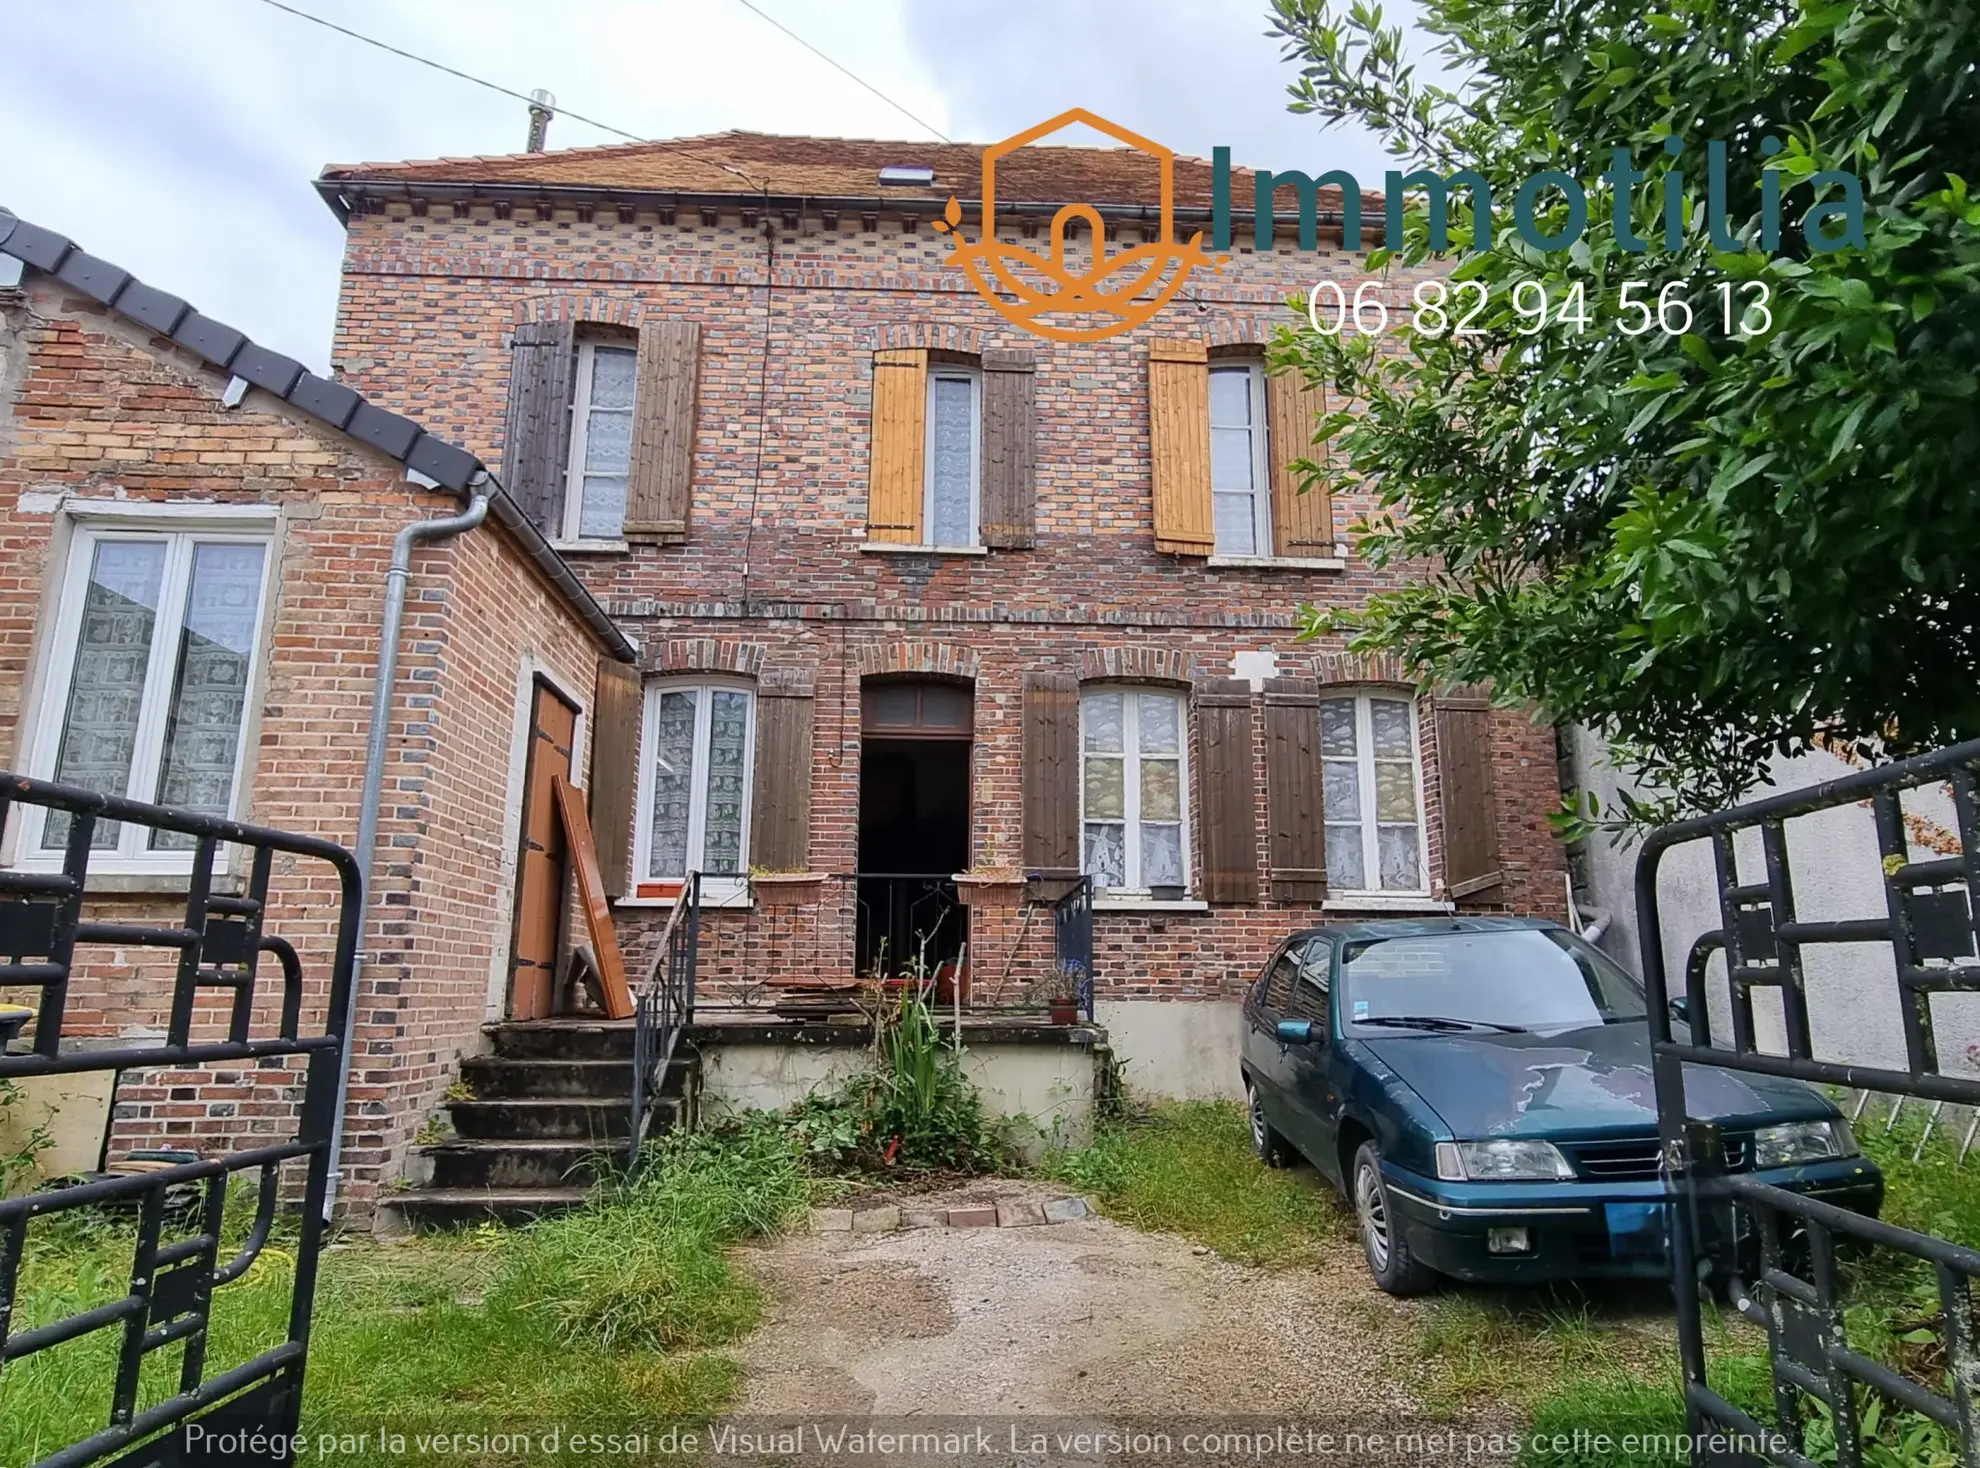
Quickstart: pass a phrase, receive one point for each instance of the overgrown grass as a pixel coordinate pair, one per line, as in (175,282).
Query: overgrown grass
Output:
(605,1317)
(1187,1168)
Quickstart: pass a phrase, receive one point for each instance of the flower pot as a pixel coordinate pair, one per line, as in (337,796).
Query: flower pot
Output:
(1065,1012)
(787,889)
(990,889)
(1166,894)
(667,891)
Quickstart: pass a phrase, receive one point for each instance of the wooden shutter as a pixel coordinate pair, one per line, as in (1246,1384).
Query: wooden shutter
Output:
(537,448)
(1009,448)
(1464,792)
(1296,843)
(895,487)
(660,490)
(616,711)
(1303,524)
(1224,772)
(780,808)
(1179,446)
(1051,774)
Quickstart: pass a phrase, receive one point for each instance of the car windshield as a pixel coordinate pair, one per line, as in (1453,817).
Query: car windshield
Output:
(1509,978)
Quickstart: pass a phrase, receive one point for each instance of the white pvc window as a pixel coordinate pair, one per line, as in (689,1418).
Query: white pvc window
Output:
(954,456)
(694,780)
(1372,795)
(1134,791)
(601,442)
(1239,475)
(153,659)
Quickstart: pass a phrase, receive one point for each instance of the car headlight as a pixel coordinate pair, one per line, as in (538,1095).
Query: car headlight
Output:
(1504,1159)
(1802,1141)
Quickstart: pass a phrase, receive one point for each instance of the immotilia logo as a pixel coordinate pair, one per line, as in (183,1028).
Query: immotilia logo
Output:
(1112,293)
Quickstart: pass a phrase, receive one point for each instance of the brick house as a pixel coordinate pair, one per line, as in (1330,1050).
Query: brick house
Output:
(169,488)
(935,614)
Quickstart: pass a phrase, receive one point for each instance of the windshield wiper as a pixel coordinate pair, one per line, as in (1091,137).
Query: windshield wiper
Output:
(1440,1022)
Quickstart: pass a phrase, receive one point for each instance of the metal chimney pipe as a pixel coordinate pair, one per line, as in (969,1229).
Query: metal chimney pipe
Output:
(542,107)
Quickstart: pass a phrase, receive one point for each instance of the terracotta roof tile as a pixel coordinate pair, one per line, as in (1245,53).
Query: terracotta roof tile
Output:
(747,162)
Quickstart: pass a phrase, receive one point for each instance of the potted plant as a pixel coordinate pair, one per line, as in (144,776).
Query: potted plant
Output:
(785,889)
(1062,994)
(1161,892)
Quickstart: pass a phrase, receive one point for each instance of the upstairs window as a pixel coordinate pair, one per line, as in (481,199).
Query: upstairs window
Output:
(601,441)
(1133,789)
(695,780)
(1372,794)
(154,655)
(954,456)
(1240,476)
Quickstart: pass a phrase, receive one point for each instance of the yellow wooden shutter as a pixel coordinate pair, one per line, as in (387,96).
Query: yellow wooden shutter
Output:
(900,407)
(1303,524)
(1179,444)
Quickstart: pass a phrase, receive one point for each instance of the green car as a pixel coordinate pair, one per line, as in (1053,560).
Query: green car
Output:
(1480,1090)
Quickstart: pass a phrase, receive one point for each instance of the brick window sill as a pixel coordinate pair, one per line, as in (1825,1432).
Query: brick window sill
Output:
(730,894)
(1276,563)
(890,548)
(1387,902)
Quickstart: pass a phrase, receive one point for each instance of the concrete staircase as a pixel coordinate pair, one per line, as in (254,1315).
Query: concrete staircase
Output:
(547,1117)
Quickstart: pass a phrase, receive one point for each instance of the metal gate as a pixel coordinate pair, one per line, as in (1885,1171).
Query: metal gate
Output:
(1791,1242)
(180,1209)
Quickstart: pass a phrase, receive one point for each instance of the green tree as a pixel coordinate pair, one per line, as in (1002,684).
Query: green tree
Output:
(1708,545)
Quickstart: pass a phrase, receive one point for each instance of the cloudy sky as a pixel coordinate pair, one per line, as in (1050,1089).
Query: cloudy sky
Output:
(179,137)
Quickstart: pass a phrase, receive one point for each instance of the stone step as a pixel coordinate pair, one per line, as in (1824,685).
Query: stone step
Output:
(428,1208)
(563,1039)
(498,1078)
(507,1164)
(572,1119)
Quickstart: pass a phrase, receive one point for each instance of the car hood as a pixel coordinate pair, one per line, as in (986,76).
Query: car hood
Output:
(1575,1083)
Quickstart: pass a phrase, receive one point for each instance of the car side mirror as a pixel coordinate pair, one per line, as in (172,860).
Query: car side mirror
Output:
(1295,1031)
(1681,1011)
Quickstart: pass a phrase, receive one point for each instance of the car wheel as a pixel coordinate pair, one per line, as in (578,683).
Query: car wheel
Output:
(1396,1270)
(1273,1150)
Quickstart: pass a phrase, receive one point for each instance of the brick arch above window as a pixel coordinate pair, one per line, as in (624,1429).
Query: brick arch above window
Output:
(595,310)
(1135,665)
(703,655)
(1240,331)
(943,659)
(1347,667)
(964,339)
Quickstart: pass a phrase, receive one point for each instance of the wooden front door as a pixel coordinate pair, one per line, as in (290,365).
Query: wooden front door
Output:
(542,866)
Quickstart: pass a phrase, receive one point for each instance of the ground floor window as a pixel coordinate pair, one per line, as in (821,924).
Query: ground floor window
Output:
(1372,794)
(695,780)
(1133,788)
(152,662)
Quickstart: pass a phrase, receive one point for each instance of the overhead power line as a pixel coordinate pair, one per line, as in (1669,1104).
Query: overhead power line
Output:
(763,14)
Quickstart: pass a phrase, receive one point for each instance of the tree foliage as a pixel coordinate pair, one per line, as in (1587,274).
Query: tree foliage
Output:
(1708,546)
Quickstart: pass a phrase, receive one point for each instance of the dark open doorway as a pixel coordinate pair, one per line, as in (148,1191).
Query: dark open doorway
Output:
(913,826)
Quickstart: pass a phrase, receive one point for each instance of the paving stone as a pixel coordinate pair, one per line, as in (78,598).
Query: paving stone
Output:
(972,1218)
(923,1218)
(876,1220)
(831,1220)
(1019,1215)
(1065,1210)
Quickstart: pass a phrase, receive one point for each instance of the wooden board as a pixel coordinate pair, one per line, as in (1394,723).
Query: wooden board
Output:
(591,897)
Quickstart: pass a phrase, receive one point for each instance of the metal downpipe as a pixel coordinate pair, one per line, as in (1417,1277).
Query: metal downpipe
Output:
(397,574)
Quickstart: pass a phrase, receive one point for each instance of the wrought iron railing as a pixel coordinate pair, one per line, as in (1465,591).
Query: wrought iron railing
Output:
(1072,942)
(1928,929)
(663,1007)
(907,923)
(173,1280)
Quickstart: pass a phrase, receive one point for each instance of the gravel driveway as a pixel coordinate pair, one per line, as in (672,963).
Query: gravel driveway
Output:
(1087,1321)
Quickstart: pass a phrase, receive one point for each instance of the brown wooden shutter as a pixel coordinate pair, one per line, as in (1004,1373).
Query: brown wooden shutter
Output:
(1179,446)
(1224,772)
(780,807)
(894,487)
(1051,774)
(1302,524)
(537,448)
(1009,448)
(1464,792)
(616,711)
(1296,841)
(660,491)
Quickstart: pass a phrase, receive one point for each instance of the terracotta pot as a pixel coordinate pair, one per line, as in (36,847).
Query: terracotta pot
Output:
(990,891)
(1066,1013)
(787,889)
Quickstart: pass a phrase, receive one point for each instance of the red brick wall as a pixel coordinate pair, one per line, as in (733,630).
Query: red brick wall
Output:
(93,410)
(790,319)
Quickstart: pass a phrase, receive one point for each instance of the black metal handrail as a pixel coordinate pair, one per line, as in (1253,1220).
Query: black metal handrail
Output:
(662,1008)
(220,941)
(1072,942)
